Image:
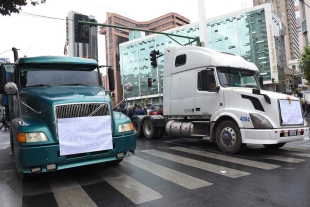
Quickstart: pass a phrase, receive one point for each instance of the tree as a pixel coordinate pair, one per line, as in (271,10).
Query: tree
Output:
(304,63)
(7,7)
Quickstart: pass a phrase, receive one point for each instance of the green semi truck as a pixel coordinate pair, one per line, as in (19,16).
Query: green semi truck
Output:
(61,116)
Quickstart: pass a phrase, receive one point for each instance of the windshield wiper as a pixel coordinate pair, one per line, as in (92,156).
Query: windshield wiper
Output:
(39,85)
(251,86)
(74,84)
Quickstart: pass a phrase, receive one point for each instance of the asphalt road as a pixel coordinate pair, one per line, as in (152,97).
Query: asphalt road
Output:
(168,172)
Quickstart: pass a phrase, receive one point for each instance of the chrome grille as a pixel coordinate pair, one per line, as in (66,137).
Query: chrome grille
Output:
(81,110)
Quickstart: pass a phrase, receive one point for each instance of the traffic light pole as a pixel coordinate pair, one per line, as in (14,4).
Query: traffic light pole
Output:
(194,39)
(293,84)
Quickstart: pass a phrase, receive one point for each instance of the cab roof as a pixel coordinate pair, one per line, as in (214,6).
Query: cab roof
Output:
(56,60)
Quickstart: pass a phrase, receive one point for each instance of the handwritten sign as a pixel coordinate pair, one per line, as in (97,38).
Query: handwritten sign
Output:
(291,112)
(84,134)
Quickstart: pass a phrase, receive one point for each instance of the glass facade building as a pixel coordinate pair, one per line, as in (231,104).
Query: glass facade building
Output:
(255,34)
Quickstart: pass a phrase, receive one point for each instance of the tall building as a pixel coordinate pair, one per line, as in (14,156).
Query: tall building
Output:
(256,34)
(304,13)
(286,10)
(86,48)
(114,37)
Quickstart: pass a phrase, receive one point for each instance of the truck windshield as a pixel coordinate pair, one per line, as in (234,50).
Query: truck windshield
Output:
(47,77)
(237,77)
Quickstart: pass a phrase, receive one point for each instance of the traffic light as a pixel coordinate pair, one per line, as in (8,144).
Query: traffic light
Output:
(81,31)
(290,86)
(149,82)
(154,58)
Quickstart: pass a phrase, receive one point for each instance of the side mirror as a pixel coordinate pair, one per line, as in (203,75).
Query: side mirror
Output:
(261,82)
(2,79)
(10,88)
(111,79)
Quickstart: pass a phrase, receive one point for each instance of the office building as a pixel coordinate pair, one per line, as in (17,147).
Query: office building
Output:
(114,37)
(286,11)
(256,34)
(86,48)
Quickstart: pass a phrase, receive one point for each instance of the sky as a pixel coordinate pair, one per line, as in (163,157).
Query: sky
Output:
(36,36)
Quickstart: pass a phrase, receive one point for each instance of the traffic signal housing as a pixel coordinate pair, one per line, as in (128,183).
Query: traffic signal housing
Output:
(149,82)
(153,58)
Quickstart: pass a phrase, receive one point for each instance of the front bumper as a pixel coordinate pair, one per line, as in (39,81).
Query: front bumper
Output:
(41,156)
(273,136)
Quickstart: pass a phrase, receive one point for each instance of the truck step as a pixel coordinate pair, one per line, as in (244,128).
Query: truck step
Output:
(201,122)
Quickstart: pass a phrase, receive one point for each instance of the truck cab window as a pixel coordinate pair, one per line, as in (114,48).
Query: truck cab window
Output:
(32,76)
(180,60)
(206,81)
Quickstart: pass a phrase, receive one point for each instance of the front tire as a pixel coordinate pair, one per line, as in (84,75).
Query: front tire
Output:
(115,162)
(228,137)
(23,177)
(274,146)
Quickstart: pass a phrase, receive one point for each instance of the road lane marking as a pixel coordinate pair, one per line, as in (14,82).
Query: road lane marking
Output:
(236,160)
(129,187)
(176,177)
(68,192)
(281,158)
(289,152)
(198,164)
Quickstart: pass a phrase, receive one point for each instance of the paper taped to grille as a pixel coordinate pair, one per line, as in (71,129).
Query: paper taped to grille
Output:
(84,134)
(291,112)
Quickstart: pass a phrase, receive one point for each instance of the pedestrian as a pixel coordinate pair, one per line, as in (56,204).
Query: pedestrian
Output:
(140,111)
(4,122)
(307,109)
(132,112)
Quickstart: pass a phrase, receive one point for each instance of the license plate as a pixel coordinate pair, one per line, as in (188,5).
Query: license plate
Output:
(293,133)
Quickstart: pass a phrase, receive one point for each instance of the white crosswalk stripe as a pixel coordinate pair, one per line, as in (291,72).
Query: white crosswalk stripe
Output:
(129,187)
(228,158)
(68,192)
(179,178)
(300,154)
(198,164)
(281,158)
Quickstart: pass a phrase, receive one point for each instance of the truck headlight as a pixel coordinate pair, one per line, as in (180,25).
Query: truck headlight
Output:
(125,127)
(260,122)
(32,137)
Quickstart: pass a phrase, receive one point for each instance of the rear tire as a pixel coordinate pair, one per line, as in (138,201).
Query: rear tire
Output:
(228,137)
(150,132)
(138,128)
(274,146)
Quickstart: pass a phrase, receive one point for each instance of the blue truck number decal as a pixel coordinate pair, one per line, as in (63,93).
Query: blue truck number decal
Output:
(245,118)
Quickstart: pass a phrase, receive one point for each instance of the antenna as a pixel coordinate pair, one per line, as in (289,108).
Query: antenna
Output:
(27,49)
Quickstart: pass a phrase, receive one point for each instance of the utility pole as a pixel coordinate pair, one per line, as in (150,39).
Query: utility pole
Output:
(202,23)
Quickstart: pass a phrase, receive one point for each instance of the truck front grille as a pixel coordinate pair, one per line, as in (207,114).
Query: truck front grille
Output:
(81,110)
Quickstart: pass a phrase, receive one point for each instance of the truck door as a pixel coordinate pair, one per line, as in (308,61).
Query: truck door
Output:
(207,99)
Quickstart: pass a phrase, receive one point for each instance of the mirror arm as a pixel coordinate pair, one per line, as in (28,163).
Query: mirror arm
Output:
(37,112)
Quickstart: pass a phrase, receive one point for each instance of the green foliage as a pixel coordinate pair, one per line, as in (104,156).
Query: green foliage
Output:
(146,101)
(304,63)
(7,7)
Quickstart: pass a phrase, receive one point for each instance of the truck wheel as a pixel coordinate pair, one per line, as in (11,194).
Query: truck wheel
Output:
(23,177)
(228,137)
(138,128)
(150,132)
(274,146)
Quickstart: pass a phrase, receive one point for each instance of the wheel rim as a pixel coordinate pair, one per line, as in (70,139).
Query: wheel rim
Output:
(228,137)
(148,128)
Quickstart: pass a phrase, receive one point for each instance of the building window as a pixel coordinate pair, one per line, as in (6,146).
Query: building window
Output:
(180,60)
(206,81)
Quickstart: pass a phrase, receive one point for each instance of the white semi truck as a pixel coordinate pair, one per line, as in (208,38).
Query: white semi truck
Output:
(214,95)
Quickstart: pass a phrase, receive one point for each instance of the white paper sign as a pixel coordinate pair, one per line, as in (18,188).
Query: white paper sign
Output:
(84,134)
(291,112)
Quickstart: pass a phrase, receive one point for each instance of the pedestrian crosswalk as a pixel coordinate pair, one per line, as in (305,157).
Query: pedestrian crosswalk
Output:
(165,166)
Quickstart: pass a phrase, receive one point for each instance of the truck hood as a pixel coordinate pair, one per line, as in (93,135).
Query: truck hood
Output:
(268,105)
(272,95)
